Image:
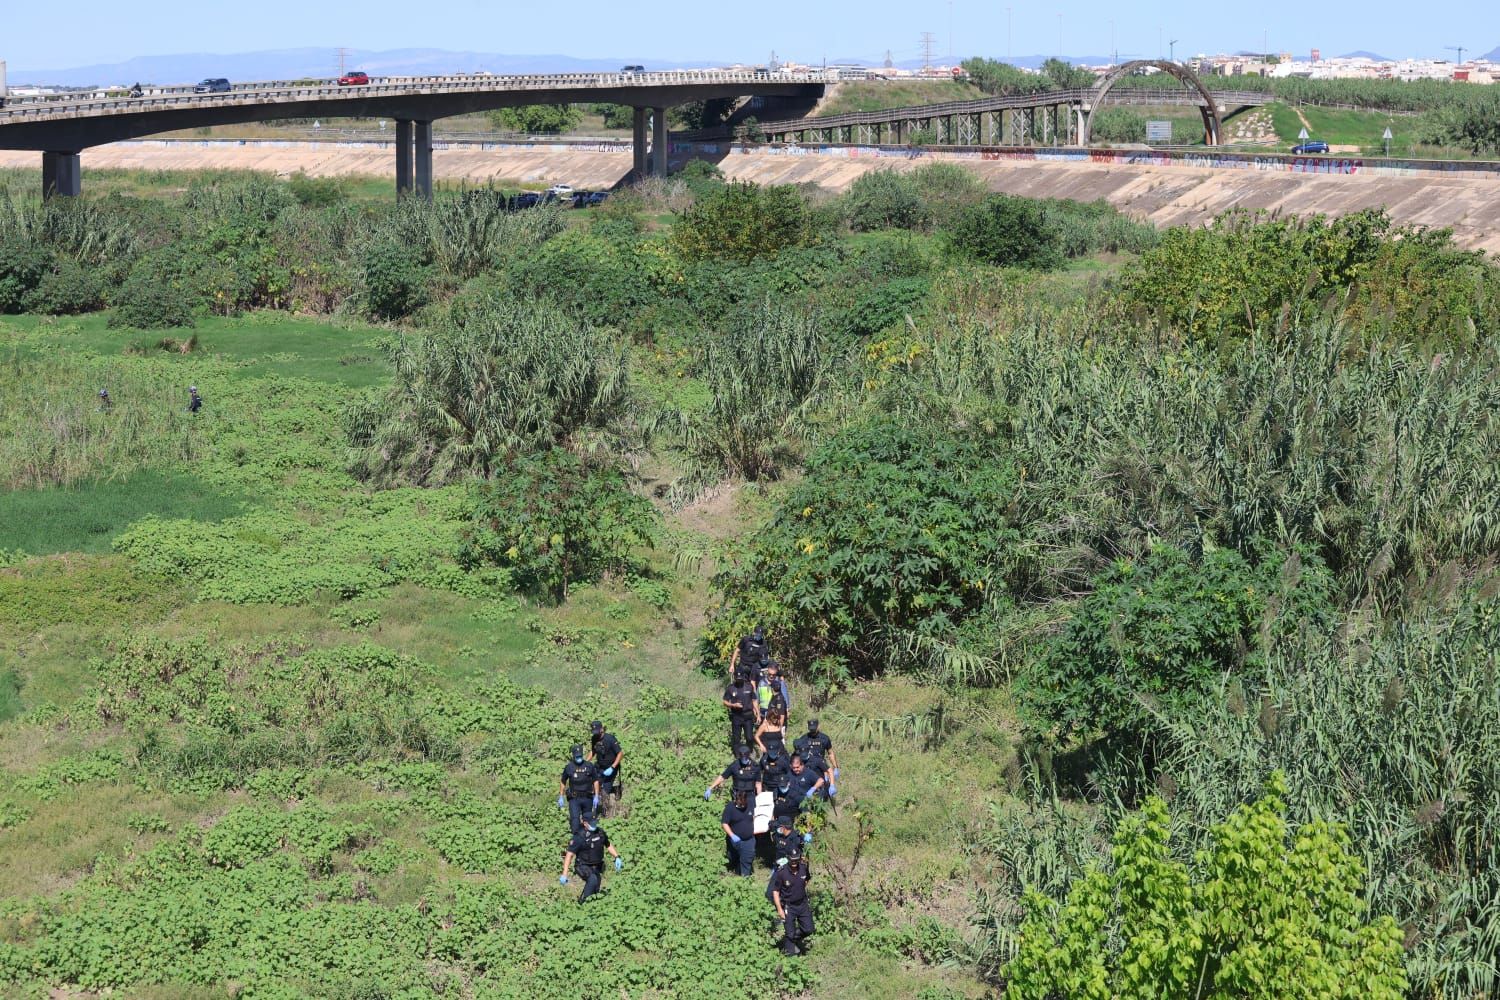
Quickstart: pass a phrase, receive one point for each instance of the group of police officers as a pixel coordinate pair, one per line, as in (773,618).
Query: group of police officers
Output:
(758,701)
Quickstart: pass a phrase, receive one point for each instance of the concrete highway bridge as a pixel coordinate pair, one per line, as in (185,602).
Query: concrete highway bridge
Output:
(59,129)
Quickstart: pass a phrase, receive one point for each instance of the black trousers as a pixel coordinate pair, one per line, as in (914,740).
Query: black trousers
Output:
(799,923)
(590,876)
(576,808)
(741,856)
(608,786)
(741,730)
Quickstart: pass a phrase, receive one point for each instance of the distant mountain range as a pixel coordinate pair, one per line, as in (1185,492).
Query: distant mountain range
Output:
(1493,55)
(1363,54)
(291,64)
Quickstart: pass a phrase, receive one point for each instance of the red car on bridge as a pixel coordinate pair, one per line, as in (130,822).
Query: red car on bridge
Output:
(355,78)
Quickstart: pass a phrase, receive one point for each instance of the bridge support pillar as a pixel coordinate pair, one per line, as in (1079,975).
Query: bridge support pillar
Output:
(403,156)
(61,174)
(1083,126)
(659,141)
(638,143)
(423,141)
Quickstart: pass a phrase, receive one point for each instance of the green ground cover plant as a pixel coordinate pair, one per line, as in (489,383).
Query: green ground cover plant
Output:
(1070,562)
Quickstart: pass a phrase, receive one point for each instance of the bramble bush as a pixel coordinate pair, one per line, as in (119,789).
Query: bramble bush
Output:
(1008,231)
(743,221)
(1267,910)
(1157,635)
(897,530)
(554,520)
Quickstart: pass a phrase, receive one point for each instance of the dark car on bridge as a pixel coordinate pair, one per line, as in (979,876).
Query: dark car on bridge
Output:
(213,85)
(632,69)
(355,78)
(1315,146)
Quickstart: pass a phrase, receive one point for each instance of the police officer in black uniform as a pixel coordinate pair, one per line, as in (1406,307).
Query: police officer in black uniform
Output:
(744,711)
(789,896)
(607,757)
(743,774)
(587,848)
(786,799)
(816,749)
(784,833)
(579,789)
(195,401)
(772,766)
(748,653)
(738,822)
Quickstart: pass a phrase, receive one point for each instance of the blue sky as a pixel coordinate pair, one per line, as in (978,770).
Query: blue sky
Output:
(57,35)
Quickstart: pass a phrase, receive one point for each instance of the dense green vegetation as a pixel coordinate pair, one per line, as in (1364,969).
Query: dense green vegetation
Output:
(1145,582)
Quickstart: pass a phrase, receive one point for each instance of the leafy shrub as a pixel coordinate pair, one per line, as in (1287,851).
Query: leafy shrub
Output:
(395,278)
(316,192)
(1250,274)
(555,520)
(898,530)
(1268,905)
(67,289)
(743,221)
(1118,125)
(1009,231)
(886,304)
(702,177)
(885,199)
(947,190)
(504,376)
(150,300)
(537,119)
(22,268)
(1097,227)
(599,278)
(1157,635)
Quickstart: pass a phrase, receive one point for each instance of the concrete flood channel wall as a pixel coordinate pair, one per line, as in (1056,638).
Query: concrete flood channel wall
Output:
(1164,187)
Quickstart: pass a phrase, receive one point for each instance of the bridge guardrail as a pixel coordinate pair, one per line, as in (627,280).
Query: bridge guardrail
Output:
(407,86)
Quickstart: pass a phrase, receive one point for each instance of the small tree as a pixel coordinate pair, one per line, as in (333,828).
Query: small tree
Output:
(555,520)
(1009,231)
(884,199)
(743,221)
(537,119)
(1267,911)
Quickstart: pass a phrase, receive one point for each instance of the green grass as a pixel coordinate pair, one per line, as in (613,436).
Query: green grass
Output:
(10,694)
(87,518)
(266,343)
(1341,127)
(878,95)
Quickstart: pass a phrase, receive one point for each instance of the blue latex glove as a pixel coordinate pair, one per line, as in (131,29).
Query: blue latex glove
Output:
(808,796)
(596,802)
(807,838)
(562,803)
(733,839)
(707,794)
(619,863)
(562,880)
(609,771)
(833,790)
(835,774)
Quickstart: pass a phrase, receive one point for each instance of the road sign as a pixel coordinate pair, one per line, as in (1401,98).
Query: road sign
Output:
(1158,131)
(1302,134)
(1387,137)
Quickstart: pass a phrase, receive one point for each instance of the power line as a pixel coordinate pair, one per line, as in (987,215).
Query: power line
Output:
(927,41)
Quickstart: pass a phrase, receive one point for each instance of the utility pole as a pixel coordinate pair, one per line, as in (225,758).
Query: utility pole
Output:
(1114,49)
(1172,50)
(1009,34)
(1059,35)
(889,62)
(926,41)
(343,60)
(950,32)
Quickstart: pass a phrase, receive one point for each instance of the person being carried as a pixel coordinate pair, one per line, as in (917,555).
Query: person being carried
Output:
(587,848)
(579,790)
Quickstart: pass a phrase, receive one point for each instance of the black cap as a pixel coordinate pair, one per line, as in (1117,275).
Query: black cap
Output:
(812,725)
(577,749)
(596,726)
(773,754)
(785,821)
(794,849)
(587,816)
(759,631)
(742,749)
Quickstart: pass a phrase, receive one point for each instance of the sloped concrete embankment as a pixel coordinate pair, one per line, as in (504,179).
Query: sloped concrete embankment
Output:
(1163,194)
